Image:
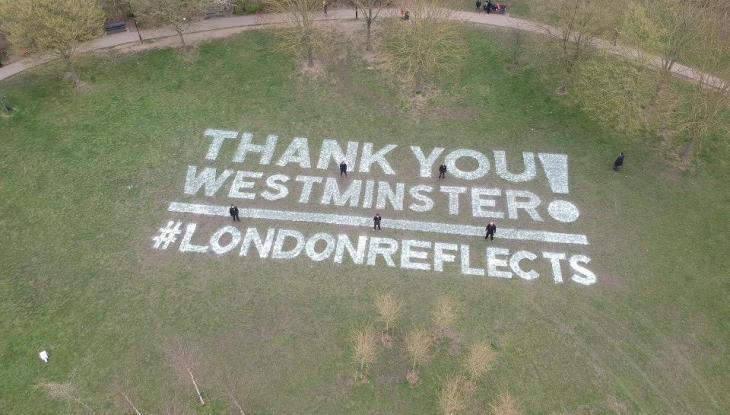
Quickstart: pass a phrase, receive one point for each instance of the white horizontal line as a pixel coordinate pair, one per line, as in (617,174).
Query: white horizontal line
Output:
(362,221)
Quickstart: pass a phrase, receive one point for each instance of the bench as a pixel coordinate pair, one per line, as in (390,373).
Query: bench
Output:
(115,27)
(215,12)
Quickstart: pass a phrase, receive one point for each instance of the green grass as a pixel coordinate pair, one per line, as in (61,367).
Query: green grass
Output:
(85,180)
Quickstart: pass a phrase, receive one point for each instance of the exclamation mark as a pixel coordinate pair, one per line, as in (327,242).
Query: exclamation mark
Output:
(556,171)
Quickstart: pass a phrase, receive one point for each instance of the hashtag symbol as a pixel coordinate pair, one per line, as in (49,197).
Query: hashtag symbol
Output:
(167,235)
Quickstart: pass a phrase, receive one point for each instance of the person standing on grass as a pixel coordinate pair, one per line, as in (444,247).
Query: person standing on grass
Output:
(234,213)
(324,6)
(442,171)
(376,221)
(343,168)
(491,229)
(618,162)
(479,5)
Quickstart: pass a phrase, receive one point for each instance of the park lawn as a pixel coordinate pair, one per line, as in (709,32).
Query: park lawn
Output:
(86,178)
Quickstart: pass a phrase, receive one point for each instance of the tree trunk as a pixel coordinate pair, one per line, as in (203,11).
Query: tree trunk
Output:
(5,106)
(419,82)
(182,38)
(368,25)
(688,152)
(310,56)
(71,74)
(139,34)
(655,109)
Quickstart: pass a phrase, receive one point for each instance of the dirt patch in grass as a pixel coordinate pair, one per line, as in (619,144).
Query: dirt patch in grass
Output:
(412,378)
(387,378)
(453,339)
(316,70)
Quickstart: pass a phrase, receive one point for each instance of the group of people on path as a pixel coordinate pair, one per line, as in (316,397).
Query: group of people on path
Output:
(489,7)
(491,226)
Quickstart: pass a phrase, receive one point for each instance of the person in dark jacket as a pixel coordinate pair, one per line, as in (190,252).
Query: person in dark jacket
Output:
(442,171)
(491,229)
(479,6)
(234,213)
(486,8)
(618,162)
(376,221)
(343,168)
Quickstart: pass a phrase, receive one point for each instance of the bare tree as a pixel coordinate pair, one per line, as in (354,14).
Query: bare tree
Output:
(427,45)
(301,37)
(389,309)
(709,98)
(365,350)
(418,344)
(444,313)
(121,388)
(505,405)
(65,392)
(665,27)
(615,92)
(635,97)
(478,360)
(177,13)
(370,10)
(574,26)
(231,384)
(56,26)
(451,396)
(184,360)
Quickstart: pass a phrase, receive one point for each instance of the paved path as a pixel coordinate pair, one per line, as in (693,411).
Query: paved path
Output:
(208,28)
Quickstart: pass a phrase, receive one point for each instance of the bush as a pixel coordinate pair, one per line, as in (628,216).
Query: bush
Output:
(115,9)
(242,7)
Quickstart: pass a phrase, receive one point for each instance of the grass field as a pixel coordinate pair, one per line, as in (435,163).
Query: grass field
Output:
(85,180)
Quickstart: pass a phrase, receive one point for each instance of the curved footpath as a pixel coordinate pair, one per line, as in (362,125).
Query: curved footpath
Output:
(208,29)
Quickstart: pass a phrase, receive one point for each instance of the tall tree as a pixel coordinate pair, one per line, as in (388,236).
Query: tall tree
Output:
(371,11)
(644,99)
(56,26)
(692,32)
(427,45)
(574,25)
(708,101)
(177,13)
(301,37)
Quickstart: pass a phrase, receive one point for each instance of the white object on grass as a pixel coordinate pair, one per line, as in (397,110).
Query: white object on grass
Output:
(44,356)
